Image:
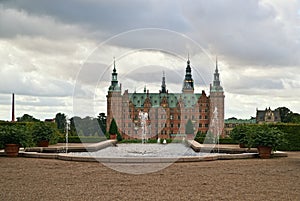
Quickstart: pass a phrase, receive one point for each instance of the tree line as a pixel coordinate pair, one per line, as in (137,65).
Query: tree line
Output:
(90,126)
(87,126)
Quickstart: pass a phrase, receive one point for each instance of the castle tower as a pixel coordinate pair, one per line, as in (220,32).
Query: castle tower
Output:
(188,83)
(216,104)
(114,100)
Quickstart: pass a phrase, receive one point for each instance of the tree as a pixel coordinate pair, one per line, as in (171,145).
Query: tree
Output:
(27,118)
(294,118)
(287,116)
(61,122)
(102,122)
(284,113)
(189,127)
(113,130)
(73,131)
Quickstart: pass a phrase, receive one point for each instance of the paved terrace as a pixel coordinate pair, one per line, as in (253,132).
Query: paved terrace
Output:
(219,152)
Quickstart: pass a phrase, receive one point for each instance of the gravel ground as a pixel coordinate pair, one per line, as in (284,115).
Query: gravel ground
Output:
(249,179)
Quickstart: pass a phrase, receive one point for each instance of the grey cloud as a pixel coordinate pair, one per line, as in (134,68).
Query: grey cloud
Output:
(109,16)
(245,32)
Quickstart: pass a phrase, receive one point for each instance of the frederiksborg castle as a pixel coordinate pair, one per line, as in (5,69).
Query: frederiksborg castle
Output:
(168,113)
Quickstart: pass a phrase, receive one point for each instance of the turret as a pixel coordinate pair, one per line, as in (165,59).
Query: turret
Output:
(188,83)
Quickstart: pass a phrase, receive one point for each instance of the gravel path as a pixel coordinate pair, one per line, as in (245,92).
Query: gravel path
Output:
(250,179)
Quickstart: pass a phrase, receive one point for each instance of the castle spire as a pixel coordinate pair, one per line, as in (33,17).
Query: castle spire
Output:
(114,81)
(163,84)
(114,70)
(216,82)
(188,83)
(216,63)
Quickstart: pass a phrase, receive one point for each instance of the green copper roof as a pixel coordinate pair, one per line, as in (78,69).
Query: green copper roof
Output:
(240,121)
(138,99)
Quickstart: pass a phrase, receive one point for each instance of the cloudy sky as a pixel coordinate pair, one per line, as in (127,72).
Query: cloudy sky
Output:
(57,56)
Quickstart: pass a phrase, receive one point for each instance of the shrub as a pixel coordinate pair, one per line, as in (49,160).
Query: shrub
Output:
(82,139)
(41,131)
(291,136)
(243,134)
(14,134)
(268,136)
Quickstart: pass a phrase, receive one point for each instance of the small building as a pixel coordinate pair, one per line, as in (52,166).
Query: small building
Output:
(267,116)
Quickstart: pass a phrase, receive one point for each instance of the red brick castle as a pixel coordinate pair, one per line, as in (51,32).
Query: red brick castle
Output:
(168,113)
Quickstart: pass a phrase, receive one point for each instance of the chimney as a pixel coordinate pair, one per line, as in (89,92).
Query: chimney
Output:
(13,108)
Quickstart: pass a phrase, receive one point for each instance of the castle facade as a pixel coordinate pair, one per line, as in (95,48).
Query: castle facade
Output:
(168,114)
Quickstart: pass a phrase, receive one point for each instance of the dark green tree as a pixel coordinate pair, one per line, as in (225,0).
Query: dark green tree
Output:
(102,122)
(27,118)
(61,122)
(113,129)
(284,113)
(189,127)
(287,116)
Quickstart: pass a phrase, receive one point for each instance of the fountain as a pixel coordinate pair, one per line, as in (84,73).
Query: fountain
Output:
(67,134)
(214,130)
(143,116)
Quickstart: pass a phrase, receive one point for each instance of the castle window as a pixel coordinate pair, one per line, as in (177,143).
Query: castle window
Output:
(206,125)
(206,117)
(178,125)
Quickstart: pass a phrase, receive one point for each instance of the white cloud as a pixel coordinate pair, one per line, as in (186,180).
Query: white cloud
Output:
(44,46)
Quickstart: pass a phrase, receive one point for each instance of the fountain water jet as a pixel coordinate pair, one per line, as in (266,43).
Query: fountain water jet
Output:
(143,116)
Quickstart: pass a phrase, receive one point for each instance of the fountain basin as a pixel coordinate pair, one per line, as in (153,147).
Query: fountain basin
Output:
(138,158)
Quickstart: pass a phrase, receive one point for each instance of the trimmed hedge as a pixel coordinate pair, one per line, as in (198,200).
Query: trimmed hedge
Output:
(221,140)
(82,139)
(291,135)
(29,126)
